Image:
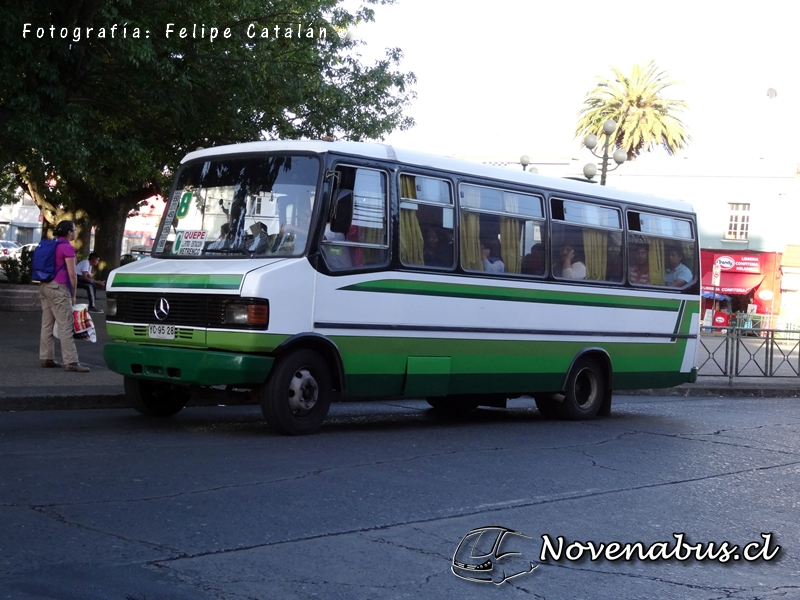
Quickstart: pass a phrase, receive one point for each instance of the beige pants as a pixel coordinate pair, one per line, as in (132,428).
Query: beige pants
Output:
(56,308)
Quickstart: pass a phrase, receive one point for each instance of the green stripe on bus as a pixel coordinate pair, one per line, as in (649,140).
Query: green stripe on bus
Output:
(189,337)
(174,280)
(484,292)
(689,309)
(379,365)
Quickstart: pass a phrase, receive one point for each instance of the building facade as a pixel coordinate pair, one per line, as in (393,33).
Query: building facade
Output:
(21,222)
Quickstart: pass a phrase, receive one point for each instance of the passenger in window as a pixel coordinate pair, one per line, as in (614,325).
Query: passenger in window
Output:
(337,257)
(490,251)
(437,251)
(677,274)
(639,271)
(533,262)
(572,266)
(219,243)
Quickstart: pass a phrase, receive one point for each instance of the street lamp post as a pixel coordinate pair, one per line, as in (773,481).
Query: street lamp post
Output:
(620,156)
(525,160)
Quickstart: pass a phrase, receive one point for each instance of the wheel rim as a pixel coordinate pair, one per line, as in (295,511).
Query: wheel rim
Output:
(303,392)
(587,390)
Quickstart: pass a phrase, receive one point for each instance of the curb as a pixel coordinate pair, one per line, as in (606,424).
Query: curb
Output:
(90,401)
(120,400)
(708,392)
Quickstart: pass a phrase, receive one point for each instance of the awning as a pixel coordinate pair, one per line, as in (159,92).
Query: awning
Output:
(732,283)
(719,296)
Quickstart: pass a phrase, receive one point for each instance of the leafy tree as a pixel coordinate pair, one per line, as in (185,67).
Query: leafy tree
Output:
(645,119)
(93,121)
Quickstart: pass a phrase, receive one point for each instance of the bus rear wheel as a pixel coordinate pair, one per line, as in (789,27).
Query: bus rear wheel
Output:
(154,399)
(297,396)
(584,391)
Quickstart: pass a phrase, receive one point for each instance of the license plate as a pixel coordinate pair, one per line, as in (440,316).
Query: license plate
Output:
(161,332)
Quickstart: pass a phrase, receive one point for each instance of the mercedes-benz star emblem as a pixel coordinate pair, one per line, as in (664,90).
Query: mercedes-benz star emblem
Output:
(161,309)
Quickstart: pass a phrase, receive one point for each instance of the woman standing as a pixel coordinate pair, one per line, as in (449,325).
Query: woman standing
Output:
(58,296)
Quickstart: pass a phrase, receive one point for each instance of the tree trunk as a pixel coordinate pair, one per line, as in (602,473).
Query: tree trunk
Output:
(109,230)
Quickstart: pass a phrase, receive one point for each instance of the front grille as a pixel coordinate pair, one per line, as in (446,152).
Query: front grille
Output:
(191,310)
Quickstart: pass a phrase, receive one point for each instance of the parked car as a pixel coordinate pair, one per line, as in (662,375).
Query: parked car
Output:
(9,250)
(136,253)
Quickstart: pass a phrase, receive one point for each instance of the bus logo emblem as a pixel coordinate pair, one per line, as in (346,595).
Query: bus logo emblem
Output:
(161,310)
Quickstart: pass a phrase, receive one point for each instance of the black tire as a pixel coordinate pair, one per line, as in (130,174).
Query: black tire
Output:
(453,405)
(297,395)
(154,399)
(585,390)
(549,406)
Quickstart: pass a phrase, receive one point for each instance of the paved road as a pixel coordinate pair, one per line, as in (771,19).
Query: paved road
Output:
(107,505)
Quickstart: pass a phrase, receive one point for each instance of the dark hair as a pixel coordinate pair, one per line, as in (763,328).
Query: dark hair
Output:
(93,255)
(63,228)
(492,245)
(674,249)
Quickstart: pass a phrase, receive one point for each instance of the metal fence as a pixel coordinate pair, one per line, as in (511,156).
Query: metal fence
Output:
(747,351)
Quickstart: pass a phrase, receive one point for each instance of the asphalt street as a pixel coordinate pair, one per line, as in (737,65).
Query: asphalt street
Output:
(211,505)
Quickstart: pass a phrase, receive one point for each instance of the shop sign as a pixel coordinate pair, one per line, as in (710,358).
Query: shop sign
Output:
(715,275)
(738,263)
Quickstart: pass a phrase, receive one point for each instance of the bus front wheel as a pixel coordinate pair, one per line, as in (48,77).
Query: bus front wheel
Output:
(154,399)
(297,396)
(584,391)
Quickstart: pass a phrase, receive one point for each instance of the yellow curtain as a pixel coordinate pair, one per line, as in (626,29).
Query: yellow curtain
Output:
(471,230)
(657,261)
(509,235)
(407,187)
(410,238)
(471,242)
(411,242)
(595,244)
(510,245)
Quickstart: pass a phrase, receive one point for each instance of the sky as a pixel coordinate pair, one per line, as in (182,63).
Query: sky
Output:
(508,77)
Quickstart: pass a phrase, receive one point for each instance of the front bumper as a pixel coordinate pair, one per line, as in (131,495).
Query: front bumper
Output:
(187,366)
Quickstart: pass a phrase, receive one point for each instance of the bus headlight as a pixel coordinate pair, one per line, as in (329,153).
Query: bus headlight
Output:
(111,306)
(248,315)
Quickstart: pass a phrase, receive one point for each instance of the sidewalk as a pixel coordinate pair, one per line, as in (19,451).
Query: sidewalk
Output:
(24,385)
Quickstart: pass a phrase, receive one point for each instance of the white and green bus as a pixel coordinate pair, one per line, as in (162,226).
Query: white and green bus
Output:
(296,273)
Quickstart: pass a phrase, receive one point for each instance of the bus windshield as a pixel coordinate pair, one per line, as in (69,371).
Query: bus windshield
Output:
(234,206)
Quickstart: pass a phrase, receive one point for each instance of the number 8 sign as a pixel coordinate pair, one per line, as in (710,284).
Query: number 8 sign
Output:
(184,205)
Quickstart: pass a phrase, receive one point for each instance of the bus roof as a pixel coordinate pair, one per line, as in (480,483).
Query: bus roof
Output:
(420,159)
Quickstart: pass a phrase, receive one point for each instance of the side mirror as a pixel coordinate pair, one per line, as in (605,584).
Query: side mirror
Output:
(342,214)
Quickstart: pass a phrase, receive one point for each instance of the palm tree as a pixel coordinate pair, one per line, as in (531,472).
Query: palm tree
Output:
(645,119)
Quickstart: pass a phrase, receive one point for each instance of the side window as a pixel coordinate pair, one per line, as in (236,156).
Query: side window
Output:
(426,222)
(502,231)
(661,251)
(366,245)
(587,241)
